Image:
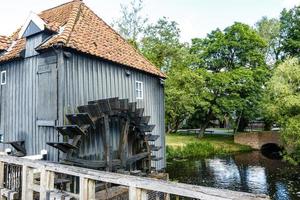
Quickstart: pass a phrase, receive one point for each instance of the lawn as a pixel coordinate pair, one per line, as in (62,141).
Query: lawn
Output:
(188,146)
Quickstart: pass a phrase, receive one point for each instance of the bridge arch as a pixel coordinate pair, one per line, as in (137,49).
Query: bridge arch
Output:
(257,140)
(271,150)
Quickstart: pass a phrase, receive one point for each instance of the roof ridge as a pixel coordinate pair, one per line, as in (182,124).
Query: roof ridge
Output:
(126,41)
(76,11)
(55,7)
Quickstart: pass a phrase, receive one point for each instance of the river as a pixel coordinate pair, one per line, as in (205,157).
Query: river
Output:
(248,172)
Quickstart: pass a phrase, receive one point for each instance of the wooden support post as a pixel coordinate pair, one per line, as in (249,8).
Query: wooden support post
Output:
(27,182)
(123,143)
(87,189)
(137,194)
(1,178)
(1,174)
(46,183)
(107,144)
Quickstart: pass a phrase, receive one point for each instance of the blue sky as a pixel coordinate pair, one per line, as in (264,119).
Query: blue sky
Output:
(196,18)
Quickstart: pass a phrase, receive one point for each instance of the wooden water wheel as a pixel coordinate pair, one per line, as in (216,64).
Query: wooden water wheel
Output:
(134,149)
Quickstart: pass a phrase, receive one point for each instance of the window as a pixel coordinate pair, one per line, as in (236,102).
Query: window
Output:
(139,89)
(3,77)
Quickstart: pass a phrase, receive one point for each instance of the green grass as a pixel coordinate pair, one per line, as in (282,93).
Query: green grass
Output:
(188,146)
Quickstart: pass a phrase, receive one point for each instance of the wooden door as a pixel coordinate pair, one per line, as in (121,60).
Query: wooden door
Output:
(47,95)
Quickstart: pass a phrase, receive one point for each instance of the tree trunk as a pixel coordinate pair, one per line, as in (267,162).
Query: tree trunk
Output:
(267,125)
(242,124)
(205,124)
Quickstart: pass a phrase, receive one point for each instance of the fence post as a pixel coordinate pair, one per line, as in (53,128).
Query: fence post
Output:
(27,182)
(1,174)
(137,194)
(87,189)
(46,183)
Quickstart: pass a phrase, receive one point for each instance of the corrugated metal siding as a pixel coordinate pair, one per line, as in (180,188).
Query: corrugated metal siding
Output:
(88,79)
(18,108)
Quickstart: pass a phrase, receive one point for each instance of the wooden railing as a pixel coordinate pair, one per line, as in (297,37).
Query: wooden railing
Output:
(138,187)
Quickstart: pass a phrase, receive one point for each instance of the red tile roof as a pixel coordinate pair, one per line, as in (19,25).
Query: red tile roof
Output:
(82,30)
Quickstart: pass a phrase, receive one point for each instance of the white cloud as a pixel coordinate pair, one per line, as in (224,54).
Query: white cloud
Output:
(290,3)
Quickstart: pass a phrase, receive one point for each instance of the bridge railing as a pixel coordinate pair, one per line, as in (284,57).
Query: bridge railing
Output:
(138,188)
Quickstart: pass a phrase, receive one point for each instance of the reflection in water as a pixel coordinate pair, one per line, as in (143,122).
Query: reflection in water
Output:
(250,172)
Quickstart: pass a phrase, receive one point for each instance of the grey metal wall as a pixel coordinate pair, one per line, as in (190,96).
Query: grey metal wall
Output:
(89,78)
(18,108)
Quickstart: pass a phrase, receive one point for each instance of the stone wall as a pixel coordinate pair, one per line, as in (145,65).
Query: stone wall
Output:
(257,139)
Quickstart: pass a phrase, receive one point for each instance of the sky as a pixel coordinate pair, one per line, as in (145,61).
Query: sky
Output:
(195,18)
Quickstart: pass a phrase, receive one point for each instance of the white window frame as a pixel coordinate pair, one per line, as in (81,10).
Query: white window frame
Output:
(3,73)
(139,90)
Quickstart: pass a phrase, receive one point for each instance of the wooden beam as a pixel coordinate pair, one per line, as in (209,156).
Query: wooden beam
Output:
(137,194)
(27,182)
(107,147)
(136,157)
(87,189)
(1,174)
(46,183)
(181,189)
(124,143)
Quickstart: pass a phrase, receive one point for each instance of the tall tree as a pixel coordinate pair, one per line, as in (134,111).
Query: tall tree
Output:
(182,95)
(290,31)
(269,29)
(235,59)
(283,105)
(161,44)
(131,23)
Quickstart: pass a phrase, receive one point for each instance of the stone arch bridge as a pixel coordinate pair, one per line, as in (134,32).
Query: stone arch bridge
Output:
(257,140)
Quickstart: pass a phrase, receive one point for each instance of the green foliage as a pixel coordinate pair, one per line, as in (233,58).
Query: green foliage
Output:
(289,31)
(181,95)
(236,74)
(282,103)
(162,47)
(269,29)
(237,46)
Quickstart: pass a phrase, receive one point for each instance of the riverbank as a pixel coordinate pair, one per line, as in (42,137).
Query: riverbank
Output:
(180,146)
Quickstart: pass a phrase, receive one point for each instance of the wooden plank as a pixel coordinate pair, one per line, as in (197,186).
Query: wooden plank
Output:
(136,157)
(124,143)
(62,146)
(107,147)
(81,119)
(92,109)
(151,137)
(46,183)
(1,174)
(124,104)
(95,164)
(146,128)
(71,130)
(132,107)
(139,112)
(27,182)
(87,189)
(155,148)
(185,190)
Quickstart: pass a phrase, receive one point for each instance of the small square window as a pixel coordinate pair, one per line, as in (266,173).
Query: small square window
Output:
(139,89)
(3,77)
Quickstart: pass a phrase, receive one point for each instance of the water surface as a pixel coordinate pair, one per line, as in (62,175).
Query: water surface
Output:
(248,172)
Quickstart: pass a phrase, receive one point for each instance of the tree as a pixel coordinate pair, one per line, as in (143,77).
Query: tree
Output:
(237,46)
(269,29)
(237,72)
(161,44)
(181,96)
(131,24)
(283,105)
(290,31)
